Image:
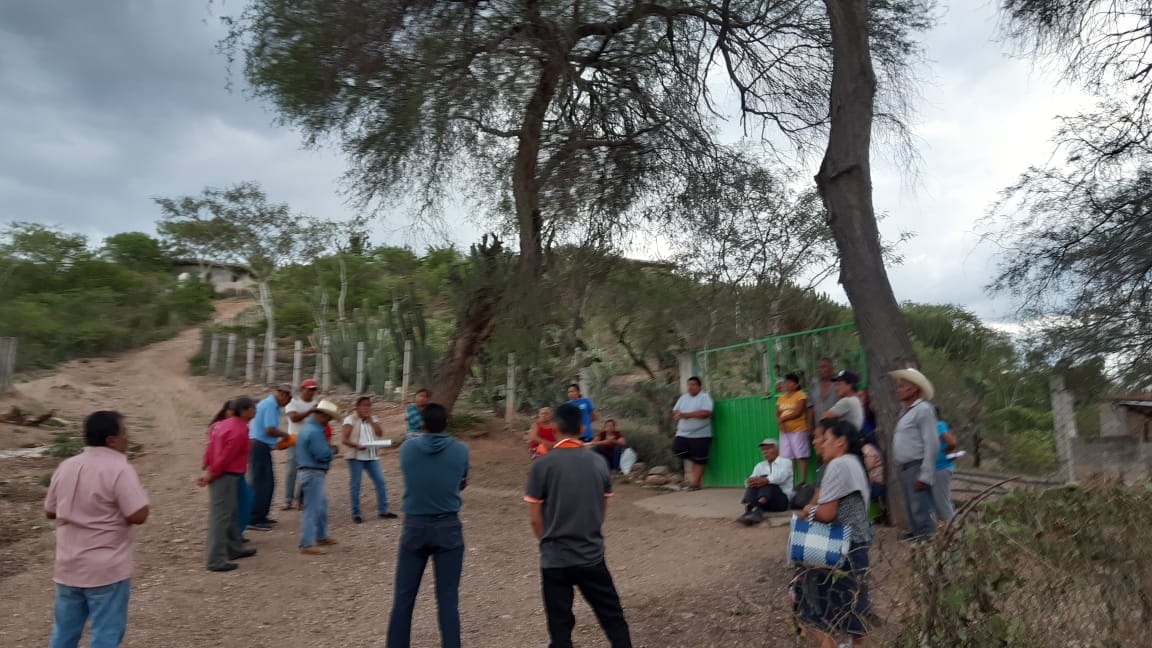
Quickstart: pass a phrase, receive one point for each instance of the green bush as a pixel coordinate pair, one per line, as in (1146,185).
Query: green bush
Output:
(652,448)
(1031,452)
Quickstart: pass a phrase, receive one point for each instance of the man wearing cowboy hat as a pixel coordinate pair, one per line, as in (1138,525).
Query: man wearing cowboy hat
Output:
(313,457)
(915,445)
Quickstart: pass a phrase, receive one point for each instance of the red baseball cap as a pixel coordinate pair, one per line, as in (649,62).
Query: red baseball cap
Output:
(308,384)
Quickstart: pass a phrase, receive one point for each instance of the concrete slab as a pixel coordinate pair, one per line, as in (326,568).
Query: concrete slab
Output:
(717,503)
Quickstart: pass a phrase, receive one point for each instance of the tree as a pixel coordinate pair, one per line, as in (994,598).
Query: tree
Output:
(564,116)
(137,251)
(845,184)
(1076,230)
(238,224)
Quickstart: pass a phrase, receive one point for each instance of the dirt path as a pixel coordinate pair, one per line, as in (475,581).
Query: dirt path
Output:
(684,582)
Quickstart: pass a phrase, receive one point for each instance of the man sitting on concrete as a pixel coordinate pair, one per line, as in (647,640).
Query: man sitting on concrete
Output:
(769,489)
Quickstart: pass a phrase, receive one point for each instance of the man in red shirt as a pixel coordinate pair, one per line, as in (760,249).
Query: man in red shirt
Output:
(96,500)
(225,461)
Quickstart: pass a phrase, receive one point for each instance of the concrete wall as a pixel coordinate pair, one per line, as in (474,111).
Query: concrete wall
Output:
(1115,457)
(1112,420)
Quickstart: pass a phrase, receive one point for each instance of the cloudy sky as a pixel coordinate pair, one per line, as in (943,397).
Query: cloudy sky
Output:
(106,104)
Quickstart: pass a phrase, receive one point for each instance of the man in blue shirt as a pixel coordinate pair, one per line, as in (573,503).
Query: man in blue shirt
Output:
(265,432)
(587,411)
(413,416)
(435,468)
(313,458)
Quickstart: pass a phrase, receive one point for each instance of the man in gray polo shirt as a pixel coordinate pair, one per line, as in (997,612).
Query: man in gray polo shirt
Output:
(568,491)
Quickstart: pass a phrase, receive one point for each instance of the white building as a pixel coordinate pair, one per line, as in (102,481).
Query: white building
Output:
(228,279)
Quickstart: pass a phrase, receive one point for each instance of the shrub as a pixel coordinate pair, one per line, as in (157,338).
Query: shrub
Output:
(653,448)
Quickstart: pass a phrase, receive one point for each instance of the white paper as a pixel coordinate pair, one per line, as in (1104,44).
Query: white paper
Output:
(383,443)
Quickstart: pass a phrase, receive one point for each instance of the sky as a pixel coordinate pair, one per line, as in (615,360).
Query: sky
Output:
(106,105)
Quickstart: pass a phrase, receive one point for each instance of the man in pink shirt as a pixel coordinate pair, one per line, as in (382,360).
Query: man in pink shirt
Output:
(96,499)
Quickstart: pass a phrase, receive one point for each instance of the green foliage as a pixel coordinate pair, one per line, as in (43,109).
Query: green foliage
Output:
(459,423)
(652,448)
(1066,566)
(137,251)
(63,302)
(66,445)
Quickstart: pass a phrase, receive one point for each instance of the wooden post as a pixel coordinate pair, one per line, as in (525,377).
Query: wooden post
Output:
(270,358)
(230,356)
(250,362)
(510,389)
(360,350)
(297,362)
(213,352)
(7,364)
(406,384)
(326,364)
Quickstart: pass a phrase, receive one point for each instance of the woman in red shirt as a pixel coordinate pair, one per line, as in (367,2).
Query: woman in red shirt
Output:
(542,436)
(225,461)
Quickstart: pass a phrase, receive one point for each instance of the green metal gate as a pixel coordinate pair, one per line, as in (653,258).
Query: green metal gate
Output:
(743,382)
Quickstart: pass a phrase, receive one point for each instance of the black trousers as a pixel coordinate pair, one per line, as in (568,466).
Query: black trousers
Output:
(263,481)
(777,500)
(596,586)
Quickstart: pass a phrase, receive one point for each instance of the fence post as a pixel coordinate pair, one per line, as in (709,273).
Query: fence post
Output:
(213,352)
(297,362)
(250,362)
(7,363)
(270,358)
(230,356)
(407,371)
(360,367)
(510,389)
(687,369)
(326,364)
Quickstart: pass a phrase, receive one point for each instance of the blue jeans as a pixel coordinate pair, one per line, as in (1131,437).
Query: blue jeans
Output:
(441,538)
(107,606)
(314,521)
(919,503)
(244,505)
(290,476)
(372,467)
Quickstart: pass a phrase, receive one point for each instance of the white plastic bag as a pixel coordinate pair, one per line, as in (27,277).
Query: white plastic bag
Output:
(627,460)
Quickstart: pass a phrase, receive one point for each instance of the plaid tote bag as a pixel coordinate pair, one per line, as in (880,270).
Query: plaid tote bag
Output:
(817,544)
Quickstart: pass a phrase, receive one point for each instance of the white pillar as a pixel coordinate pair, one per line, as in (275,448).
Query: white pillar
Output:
(230,356)
(213,352)
(326,364)
(1064,417)
(270,359)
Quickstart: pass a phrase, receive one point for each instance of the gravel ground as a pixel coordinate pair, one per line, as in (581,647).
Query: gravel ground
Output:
(684,582)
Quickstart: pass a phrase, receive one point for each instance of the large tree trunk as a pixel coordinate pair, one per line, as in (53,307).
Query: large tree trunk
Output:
(473,331)
(473,328)
(845,183)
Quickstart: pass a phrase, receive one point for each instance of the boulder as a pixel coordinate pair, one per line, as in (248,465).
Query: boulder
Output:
(675,478)
(656,480)
(658,470)
(639,468)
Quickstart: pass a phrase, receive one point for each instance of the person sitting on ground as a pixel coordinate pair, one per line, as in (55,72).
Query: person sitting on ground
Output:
(313,458)
(610,444)
(769,489)
(542,435)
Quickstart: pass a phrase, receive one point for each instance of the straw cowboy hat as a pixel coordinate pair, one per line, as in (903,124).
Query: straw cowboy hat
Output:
(927,391)
(327,407)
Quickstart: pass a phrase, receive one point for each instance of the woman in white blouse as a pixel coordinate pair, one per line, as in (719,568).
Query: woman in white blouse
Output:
(361,429)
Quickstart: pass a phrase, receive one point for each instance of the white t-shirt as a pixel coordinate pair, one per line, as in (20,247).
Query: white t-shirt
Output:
(695,428)
(360,437)
(298,406)
(849,409)
(778,472)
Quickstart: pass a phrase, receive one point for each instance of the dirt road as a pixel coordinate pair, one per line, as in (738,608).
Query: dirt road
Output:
(684,582)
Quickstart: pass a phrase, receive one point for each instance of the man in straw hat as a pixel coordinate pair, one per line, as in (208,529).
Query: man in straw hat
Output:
(313,458)
(915,445)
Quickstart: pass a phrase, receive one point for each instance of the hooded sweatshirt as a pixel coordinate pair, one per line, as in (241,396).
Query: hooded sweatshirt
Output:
(434,465)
